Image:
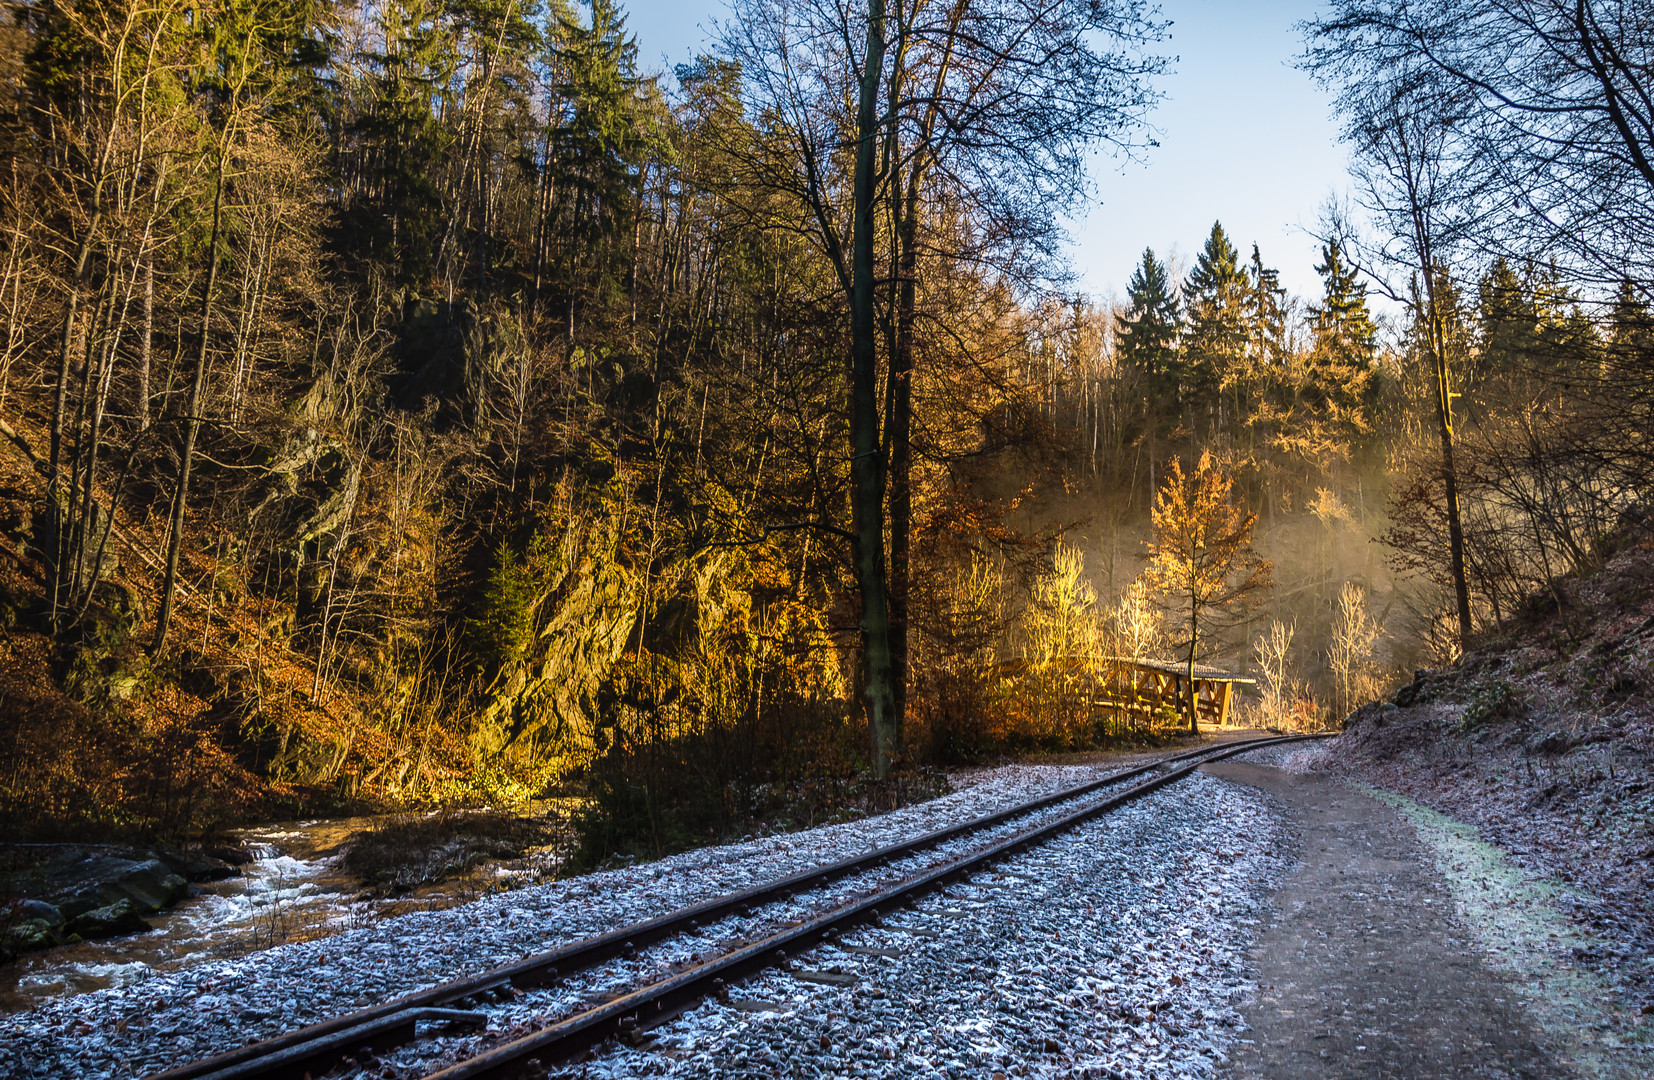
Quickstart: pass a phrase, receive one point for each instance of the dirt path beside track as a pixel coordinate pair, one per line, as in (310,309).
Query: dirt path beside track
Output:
(1366,970)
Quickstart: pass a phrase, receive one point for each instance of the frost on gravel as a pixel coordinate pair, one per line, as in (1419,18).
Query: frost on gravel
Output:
(1293,757)
(189,1014)
(1115,950)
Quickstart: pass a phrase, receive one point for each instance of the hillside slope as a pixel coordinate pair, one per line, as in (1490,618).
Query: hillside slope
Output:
(1542,737)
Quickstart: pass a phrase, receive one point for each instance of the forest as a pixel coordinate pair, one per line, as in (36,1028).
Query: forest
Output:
(420,402)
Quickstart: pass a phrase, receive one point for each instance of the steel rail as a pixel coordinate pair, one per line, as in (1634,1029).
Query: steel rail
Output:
(652,1005)
(276,1057)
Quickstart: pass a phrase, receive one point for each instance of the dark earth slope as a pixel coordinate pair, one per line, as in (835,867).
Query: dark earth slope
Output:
(1541,737)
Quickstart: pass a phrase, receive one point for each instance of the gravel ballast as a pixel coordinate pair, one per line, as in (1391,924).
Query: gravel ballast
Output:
(1114,948)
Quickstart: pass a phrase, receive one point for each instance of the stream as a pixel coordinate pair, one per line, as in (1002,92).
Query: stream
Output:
(294,889)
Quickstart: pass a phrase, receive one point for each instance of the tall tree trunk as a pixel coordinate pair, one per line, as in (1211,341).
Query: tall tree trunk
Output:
(72,539)
(1450,475)
(898,437)
(866,466)
(147,343)
(1194,687)
(192,421)
(55,501)
(898,432)
(899,421)
(88,514)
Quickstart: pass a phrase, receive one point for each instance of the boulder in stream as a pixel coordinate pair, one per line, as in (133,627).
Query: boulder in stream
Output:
(102,880)
(152,885)
(121,917)
(200,865)
(40,911)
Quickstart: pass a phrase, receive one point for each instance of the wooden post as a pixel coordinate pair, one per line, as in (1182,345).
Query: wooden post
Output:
(1223,704)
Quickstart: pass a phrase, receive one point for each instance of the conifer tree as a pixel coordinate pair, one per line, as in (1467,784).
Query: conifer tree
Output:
(1340,369)
(1214,346)
(1342,319)
(609,127)
(1266,342)
(1529,323)
(1631,329)
(395,205)
(1147,332)
(1509,323)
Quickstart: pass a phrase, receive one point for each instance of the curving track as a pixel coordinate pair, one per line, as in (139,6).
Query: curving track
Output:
(924,864)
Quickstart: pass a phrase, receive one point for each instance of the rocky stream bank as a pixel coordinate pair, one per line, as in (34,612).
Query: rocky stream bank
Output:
(61,894)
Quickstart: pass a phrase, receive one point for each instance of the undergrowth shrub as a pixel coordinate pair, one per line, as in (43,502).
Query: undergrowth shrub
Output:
(651,792)
(950,718)
(1487,703)
(144,766)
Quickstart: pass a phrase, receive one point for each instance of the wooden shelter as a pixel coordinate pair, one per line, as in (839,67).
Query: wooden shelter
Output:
(1129,685)
(1131,693)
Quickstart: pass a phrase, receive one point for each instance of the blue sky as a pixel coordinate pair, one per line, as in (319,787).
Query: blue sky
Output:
(1244,137)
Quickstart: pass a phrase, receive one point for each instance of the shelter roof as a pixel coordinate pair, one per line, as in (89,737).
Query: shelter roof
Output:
(1181,667)
(1164,667)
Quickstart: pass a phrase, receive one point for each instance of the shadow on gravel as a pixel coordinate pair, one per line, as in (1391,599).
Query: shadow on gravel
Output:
(401,853)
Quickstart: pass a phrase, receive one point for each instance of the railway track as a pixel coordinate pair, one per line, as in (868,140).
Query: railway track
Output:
(315,1049)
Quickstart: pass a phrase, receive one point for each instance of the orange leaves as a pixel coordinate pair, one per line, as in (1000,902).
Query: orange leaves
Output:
(1202,546)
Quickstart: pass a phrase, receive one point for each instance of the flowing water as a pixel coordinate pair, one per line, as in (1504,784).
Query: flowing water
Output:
(293,889)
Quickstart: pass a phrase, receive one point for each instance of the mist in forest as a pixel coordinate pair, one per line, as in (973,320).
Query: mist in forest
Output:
(416,402)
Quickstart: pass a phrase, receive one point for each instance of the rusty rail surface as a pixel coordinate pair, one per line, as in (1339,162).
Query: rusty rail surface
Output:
(317,1047)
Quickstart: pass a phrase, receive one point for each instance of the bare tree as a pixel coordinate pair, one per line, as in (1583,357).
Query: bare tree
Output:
(1354,633)
(1553,102)
(1524,130)
(1273,651)
(1413,182)
(995,103)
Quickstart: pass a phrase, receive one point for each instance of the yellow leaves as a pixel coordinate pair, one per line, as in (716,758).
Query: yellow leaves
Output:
(1201,552)
(1200,535)
(1062,621)
(1311,441)
(1062,633)
(1330,508)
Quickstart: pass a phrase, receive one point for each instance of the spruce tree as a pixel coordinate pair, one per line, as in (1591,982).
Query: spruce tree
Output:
(1340,369)
(607,128)
(1214,348)
(1530,322)
(399,145)
(1342,318)
(1266,343)
(1147,333)
(1509,320)
(1631,330)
